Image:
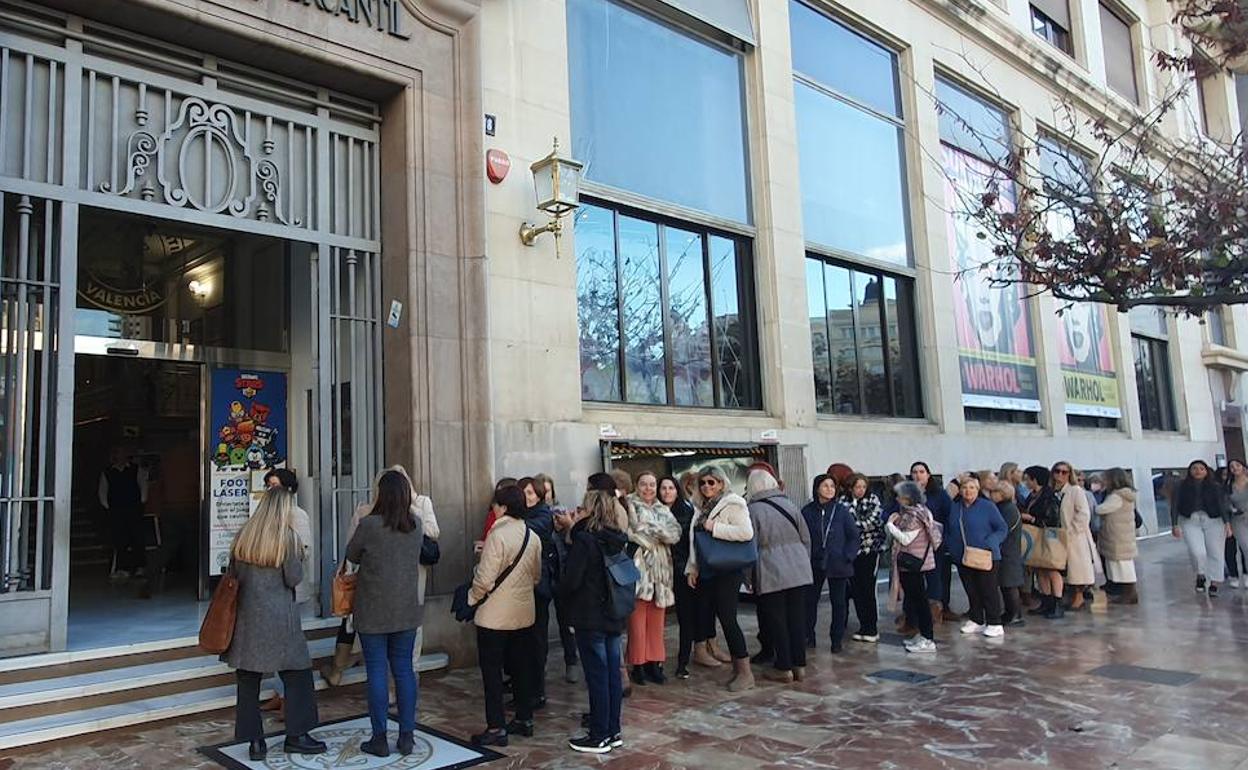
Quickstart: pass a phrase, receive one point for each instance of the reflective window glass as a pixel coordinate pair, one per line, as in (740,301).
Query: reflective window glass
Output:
(656,111)
(688,319)
(644,376)
(971,124)
(597,304)
(842,60)
(838,143)
(842,340)
(816,306)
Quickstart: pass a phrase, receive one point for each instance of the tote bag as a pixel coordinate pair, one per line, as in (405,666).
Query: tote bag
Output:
(721,556)
(1048,550)
(342,592)
(217,631)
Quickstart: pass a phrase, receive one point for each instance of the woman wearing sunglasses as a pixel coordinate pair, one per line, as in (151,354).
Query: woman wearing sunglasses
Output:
(1082,560)
(724,514)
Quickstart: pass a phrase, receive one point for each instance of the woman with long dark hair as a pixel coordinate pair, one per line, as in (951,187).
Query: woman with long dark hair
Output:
(1201,508)
(687,618)
(939,583)
(540,519)
(869,516)
(386,546)
(1042,509)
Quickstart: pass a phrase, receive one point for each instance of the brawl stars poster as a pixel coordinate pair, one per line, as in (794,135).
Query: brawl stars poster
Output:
(247,437)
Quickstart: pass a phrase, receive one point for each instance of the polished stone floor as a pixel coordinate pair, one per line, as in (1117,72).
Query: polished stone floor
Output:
(1060,694)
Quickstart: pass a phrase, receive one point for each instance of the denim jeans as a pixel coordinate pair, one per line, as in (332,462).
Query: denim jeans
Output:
(600,658)
(393,651)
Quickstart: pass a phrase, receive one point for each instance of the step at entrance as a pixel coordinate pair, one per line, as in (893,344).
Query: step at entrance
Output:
(67,698)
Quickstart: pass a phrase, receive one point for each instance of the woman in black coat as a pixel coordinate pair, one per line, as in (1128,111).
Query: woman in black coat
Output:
(687,616)
(1201,512)
(1010,576)
(594,537)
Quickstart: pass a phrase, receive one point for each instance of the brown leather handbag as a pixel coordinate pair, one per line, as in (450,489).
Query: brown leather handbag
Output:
(217,630)
(342,592)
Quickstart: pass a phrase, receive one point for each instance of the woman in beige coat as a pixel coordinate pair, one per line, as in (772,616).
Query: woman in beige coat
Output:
(505,615)
(1117,540)
(1082,560)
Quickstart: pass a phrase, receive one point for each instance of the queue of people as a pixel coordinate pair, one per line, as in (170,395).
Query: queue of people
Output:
(1025,541)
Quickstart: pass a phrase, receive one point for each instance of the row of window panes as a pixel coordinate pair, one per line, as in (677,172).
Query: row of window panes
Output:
(665,313)
(862,341)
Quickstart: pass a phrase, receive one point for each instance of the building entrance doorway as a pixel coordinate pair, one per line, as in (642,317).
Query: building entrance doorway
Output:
(137,486)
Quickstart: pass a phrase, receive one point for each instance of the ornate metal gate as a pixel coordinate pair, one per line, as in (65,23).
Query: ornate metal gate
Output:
(92,116)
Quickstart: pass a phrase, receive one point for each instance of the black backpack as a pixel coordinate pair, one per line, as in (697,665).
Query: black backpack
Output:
(622,576)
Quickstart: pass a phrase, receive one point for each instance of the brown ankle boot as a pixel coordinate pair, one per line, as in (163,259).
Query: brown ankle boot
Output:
(776,675)
(703,657)
(717,653)
(343,660)
(1128,595)
(742,676)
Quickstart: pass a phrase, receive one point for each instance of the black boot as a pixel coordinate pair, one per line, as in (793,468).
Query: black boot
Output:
(257,750)
(637,676)
(407,743)
(763,657)
(520,727)
(654,673)
(304,744)
(1044,606)
(1056,610)
(490,738)
(378,746)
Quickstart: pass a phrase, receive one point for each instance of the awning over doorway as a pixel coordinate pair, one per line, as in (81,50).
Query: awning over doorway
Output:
(623,450)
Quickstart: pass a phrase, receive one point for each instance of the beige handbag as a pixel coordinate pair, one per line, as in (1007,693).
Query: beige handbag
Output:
(975,558)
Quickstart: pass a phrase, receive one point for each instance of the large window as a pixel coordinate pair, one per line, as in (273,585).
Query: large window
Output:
(1151,350)
(850,129)
(862,341)
(666,312)
(1119,53)
(656,111)
(1050,19)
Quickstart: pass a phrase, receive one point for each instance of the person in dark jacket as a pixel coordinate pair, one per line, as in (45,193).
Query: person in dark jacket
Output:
(1011,576)
(562,521)
(868,513)
(939,580)
(1043,509)
(387,610)
(839,537)
(975,522)
(687,618)
(541,520)
(267,559)
(594,536)
(819,513)
(1202,511)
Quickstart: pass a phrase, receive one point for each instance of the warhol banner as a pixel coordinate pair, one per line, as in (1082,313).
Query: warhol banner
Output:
(248,425)
(995,350)
(1088,362)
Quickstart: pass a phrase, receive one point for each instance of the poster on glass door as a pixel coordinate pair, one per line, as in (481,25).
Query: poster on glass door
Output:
(995,352)
(247,430)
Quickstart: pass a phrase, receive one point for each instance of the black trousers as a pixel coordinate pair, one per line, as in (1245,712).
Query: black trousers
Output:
(128,539)
(938,580)
(687,619)
(1012,606)
(704,600)
(541,644)
(783,615)
(567,639)
(301,713)
(515,648)
(984,594)
(863,587)
(724,594)
(914,602)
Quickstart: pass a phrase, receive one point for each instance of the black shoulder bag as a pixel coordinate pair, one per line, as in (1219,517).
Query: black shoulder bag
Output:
(463,611)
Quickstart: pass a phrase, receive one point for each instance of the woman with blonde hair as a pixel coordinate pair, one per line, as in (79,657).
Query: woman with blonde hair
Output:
(1117,541)
(654,530)
(267,559)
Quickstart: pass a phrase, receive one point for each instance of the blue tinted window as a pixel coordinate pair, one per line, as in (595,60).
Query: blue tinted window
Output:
(655,111)
(597,304)
(971,124)
(853,194)
(843,60)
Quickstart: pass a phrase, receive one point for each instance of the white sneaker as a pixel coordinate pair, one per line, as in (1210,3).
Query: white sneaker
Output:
(923,645)
(1233,582)
(868,637)
(858,638)
(994,632)
(910,642)
(971,627)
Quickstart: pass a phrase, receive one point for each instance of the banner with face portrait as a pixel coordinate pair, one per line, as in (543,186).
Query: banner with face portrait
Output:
(1088,361)
(995,350)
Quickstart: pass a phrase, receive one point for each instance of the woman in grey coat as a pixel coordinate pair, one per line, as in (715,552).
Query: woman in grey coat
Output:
(387,611)
(781,574)
(267,558)
(1011,576)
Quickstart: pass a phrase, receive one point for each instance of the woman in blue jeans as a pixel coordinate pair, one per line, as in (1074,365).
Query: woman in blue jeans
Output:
(386,546)
(594,536)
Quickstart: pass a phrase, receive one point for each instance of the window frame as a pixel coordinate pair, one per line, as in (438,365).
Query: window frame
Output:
(1159,358)
(673,19)
(1051,31)
(747,299)
(1129,21)
(898,121)
(885,340)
